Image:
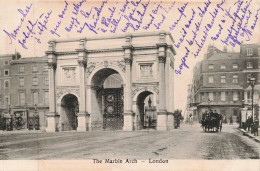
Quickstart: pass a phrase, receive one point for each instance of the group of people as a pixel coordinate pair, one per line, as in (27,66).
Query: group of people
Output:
(252,125)
(211,120)
(211,115)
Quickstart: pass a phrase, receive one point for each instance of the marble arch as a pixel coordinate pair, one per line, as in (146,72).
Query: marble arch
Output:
(143,60)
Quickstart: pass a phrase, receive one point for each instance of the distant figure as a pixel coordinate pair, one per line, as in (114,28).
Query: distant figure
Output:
(249,123)
(256,126)
(231,120)
(191,119)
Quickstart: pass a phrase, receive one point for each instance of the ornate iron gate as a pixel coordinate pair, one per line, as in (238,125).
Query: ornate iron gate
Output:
(33,123)
(113,118)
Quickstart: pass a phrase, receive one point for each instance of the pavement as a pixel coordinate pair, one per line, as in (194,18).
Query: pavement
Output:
(250,135)
(188,142)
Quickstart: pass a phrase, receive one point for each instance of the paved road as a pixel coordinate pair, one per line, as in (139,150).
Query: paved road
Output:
(189,142)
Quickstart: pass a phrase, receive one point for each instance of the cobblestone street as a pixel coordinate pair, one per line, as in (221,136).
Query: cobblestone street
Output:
(188,142)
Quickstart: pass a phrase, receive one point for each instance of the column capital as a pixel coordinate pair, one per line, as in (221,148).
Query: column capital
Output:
(52,65)
(128,61)
(162,59)
(82,63)
(51,48)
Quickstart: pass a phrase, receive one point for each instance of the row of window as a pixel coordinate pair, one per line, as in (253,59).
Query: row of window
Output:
(35,98)
(222,96)
(21,69)
(234,78)
(223,66)
(22,82)
(21,98)
(34,68)
(249,64)
(34,81)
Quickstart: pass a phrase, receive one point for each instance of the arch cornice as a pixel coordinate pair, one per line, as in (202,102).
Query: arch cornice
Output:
(140,90)
(100,67)
(60,93)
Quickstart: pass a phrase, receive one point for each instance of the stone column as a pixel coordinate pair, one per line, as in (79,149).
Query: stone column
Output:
(162,117)
(52,117)
(128,113)
(83,117)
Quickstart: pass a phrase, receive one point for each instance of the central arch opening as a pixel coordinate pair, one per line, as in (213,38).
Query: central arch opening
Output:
(107,100)
(69,110)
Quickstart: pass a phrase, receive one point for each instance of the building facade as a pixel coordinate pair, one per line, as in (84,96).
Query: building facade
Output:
(24,92)
(220,81)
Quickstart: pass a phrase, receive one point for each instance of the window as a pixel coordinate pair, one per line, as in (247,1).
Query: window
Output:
(248,77)
(21,82)
(21,98)
(223,79)
(35,98)
(235,79)
(235,96)
(211,96)
(211,79)
(249,51)
(7,84)
(235,66)
(223,66)
(249,65)
(35,81)
(223,96)
(258,81)
(46,98)
(6,62)
(46,68)
(211,66)
(46,80)
(259,63)
(6,72)
(35,69)
(21,69)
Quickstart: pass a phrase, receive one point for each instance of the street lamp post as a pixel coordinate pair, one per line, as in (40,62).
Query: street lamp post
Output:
(240,115)
(252,83)
(34,117)
(209,103)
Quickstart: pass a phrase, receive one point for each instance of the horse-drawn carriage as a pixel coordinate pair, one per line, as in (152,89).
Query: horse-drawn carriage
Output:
(211,122)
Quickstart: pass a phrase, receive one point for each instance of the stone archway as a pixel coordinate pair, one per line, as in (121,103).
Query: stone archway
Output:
(86,64)
(68,110)
(146,114)
(106,100)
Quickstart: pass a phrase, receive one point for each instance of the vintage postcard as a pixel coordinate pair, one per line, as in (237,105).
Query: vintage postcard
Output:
(129,85)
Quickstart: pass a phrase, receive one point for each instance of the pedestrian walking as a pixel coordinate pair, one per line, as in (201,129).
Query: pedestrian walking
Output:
(231,120)
(256,126)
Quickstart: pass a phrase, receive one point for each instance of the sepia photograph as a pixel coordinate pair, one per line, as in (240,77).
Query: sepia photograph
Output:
(129,85)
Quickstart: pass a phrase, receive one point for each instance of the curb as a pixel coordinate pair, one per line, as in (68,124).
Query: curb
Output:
(245,133)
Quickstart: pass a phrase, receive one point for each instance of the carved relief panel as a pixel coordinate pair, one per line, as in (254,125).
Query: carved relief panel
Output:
(146,70)
(69,75)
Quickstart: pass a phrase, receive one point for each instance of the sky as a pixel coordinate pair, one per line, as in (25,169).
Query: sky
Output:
(194,25)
